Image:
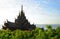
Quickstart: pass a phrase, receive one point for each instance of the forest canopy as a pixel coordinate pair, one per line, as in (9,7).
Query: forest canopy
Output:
(38,33)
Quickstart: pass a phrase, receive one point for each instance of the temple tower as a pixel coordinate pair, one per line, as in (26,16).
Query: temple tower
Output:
(20,23)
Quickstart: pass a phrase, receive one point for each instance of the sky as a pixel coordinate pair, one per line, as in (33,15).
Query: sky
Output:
(36,11)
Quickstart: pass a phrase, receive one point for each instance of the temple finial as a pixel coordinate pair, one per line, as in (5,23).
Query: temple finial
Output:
(21,7)
(6,20)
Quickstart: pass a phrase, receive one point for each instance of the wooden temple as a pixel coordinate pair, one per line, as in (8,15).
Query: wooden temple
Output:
(20,23)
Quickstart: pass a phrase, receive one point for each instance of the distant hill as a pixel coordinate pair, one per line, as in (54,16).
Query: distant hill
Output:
(54,26)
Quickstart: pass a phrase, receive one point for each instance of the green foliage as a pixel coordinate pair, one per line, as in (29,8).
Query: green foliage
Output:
(38,33)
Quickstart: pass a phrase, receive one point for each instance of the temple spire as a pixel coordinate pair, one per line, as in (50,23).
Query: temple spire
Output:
(21,7)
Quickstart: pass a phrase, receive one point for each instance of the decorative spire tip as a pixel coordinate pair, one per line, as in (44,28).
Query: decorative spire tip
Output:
(21,7)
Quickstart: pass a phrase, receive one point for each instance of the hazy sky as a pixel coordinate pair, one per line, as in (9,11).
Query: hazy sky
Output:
(36,11)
